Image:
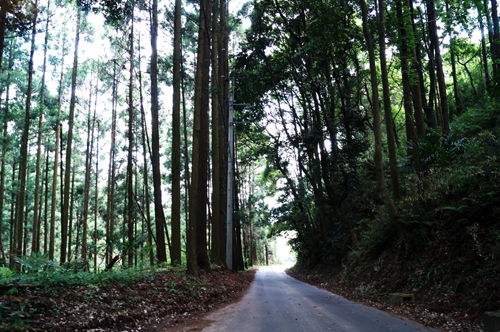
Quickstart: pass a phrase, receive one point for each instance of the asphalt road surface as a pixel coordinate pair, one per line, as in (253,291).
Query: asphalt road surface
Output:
(276,302)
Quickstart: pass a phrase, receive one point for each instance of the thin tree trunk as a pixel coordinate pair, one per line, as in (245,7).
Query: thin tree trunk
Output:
(56,160)
(130,172)
(483,47)
(187,184)
(70,221)
(389,125)
(67,175)
(416,75)
(450,31)
(411,135)
(3,24)
(35,244)
(379,166)
(4,152)
(223,75)
(96,201)
(13,209)
(217,245)
(159,215)
(24,145)
(110,218)
(88,167)
(46,208)
(175,254)
(495,46)
(431,12)
(145,143)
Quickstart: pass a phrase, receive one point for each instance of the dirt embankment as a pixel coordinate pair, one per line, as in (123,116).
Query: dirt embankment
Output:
(157,302)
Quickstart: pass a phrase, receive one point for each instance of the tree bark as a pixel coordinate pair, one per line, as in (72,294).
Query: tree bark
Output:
(379,166)
(24,146)
(495,45)
(110,210)
(88,167)
(223,75)
(411,135)
(217,245)
(35,243)
(391,143)
(56,160)
(145,148)
(175,255)
(159,215)
(130,172)
(483,47)
(67,174)
(431,12)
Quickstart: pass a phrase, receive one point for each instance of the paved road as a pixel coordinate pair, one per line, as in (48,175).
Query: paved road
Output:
(277,302)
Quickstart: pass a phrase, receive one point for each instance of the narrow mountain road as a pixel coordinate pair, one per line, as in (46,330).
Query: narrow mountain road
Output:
(277,302)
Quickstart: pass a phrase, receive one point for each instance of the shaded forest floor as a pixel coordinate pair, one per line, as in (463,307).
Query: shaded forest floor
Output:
(165,298)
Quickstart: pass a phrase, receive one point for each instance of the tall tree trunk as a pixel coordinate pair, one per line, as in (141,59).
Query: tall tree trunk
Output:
(411,135)
(96,198)
(56,160)
(3,24)
(483,47)
(223,75)
(238,264)
(35,244)
(495,45)
(145,143)
(12,240)
(391,143)
(155,133)
(187,182)
(175,254)
(24,145)
(70,219)
(46,208)
(130,172)
(379,166)
(431,12)
(67,174)
(416,75)
(197,193)
(4,152)
(217,245)
(201,218)
(88,167)
(110,212)
(451,34)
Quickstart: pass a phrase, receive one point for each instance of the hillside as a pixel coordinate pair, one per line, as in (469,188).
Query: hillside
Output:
(449,256)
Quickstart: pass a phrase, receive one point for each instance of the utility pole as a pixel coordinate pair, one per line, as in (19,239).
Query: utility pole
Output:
(230,176)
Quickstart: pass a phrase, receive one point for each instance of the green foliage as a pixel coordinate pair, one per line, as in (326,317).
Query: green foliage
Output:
(68,276)
(6,275)
(476,119)
(441,151)
(35,262)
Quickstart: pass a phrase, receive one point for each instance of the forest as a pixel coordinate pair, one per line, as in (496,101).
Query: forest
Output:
(367,132)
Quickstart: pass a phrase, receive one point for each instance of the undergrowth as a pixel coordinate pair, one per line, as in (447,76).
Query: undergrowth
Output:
(451,211)
(39,270)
